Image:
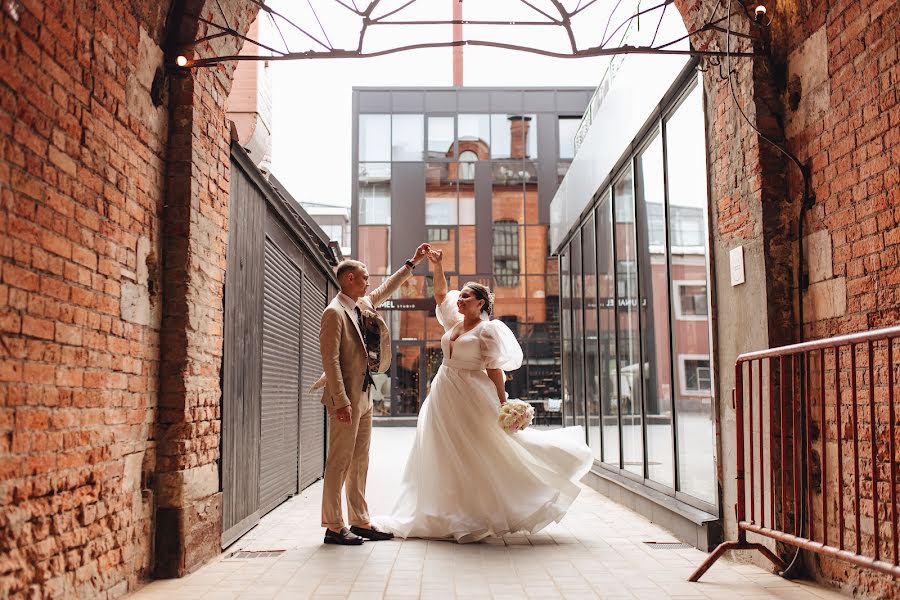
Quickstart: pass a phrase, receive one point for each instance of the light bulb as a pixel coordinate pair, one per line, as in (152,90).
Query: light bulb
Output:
(760,10)
(181,60)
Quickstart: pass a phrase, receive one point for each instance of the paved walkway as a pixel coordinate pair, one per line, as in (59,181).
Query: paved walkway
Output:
(597,551)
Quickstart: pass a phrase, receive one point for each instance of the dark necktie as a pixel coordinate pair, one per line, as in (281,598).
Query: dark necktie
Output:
(367,379)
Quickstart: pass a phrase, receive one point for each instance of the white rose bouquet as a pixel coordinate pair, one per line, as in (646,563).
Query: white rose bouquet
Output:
(515,415)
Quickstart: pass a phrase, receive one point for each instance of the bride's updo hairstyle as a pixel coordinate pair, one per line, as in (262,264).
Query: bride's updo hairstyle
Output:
(483,292)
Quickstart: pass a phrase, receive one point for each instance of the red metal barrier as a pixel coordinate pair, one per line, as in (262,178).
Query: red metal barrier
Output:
(791,405)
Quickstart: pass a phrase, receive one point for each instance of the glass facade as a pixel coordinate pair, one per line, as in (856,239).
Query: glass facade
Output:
(635,312)
(475,182)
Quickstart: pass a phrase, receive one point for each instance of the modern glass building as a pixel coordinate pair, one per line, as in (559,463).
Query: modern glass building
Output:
(630,226)
(473,171)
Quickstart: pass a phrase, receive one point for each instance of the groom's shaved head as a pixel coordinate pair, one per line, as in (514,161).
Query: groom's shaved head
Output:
(348,266)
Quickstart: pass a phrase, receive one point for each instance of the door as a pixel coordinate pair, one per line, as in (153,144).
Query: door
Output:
(408,389)
(312,413)
(241,359)
(279,442)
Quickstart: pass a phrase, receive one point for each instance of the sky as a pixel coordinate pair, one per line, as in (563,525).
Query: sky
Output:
(312,99)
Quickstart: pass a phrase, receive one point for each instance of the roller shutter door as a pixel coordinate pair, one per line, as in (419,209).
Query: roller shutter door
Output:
(312,413)
(282,285)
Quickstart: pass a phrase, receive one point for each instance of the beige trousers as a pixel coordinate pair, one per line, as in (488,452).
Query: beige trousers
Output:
(347,463)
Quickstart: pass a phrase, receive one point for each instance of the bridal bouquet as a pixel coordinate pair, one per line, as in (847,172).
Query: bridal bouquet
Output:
(515,415)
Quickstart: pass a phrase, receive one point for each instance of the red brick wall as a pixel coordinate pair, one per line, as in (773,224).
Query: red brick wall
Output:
(84,137)
(843,119)
(81,174)
(195,230)
(828,86)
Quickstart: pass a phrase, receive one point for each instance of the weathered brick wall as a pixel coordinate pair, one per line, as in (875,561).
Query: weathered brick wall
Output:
(842,117)
(81,178)
(88,154)
(828,86)
(195,230)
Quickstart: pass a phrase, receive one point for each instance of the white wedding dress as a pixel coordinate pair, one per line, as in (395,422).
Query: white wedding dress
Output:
(467,479)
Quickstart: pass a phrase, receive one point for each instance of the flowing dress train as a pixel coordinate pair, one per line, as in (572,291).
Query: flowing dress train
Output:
(465,477)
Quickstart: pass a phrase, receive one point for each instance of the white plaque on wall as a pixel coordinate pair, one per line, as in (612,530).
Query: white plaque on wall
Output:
(737,265)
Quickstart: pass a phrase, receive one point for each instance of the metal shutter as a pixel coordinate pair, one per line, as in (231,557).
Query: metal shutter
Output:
(242,358)
(280,379)
(312,413)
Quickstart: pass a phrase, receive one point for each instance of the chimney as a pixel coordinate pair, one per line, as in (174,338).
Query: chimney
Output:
(457,37)
(518,133)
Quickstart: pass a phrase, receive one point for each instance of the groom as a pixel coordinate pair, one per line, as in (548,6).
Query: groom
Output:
(348,379)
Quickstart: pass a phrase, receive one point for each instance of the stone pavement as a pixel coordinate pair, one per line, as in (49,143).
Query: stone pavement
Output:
(596,551)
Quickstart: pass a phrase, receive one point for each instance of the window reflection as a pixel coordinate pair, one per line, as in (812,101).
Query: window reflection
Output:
(568,126)
(374,137)
(441,137)
(652,370)
(565,292)
(474,133)
(506,253)
(374,193)
(629,346)
(606,308)
(591,333)
(654,309)
(577,333)
(374,244)
(686,169)
(467,160)
(408,132)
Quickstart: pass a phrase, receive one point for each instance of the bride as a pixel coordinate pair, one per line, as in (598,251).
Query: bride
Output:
(465,477)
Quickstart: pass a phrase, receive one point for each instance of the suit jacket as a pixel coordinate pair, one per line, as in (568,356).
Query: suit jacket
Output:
(344,356)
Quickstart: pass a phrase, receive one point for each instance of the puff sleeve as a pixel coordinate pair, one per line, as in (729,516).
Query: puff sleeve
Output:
(499,347)
(447,313)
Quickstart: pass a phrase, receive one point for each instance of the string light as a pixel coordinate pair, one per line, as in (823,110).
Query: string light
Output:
(181,60)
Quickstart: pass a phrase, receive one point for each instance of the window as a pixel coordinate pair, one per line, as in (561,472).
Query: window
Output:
(474,128)
(374,193)
(467,160)
(506,253)
(692,301)
(568,127)
(440,211)
(626,282)
(696,376)
(440,137)
(408,133)
(656,224)
(687,226)
(374,137)
(438,234)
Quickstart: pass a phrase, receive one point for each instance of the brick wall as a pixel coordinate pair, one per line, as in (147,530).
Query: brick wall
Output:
(842,117)
(85,132)
(828,87)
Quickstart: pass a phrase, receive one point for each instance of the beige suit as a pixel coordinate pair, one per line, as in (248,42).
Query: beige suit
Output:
(345,363)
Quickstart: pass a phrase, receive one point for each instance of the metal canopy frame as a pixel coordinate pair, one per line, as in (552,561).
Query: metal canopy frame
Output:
(562,18)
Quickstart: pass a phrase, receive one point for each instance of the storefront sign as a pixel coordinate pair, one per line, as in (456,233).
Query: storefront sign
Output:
(408,304)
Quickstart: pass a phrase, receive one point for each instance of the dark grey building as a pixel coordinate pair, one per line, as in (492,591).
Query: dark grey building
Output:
(473,171)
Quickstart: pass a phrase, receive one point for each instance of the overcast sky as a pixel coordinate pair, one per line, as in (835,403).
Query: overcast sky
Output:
(312,98)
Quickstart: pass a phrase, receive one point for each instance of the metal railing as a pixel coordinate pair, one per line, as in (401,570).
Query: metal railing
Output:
(816,422)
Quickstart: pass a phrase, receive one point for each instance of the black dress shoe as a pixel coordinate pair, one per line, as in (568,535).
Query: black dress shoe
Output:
(372,534)
(342,538)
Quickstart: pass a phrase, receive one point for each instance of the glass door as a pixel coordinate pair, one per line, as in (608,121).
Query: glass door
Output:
(408,390)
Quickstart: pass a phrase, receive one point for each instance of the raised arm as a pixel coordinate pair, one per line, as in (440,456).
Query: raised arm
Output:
(436,258)
(386,289)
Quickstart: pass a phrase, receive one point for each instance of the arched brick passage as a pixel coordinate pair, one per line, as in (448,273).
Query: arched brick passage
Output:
(113,216)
